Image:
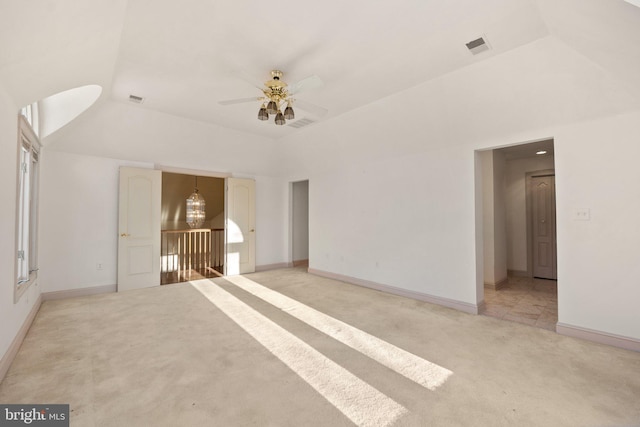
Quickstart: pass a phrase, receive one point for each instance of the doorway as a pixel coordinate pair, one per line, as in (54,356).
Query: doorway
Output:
(191,252)
(300,224)
(517,192)
(156,247)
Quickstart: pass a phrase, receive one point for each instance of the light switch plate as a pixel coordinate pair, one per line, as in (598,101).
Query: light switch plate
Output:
(581,214)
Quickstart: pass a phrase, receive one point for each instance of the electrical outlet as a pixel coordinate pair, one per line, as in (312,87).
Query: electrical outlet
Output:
(99,266)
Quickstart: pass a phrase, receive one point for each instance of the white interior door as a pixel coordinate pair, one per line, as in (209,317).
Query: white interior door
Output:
(139,228)
(240,226)
(544,227)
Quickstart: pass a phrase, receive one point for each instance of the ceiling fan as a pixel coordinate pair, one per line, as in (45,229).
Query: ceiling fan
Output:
(278,94)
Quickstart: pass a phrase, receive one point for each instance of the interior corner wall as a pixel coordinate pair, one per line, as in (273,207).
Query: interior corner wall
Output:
(479,227)
(12,316)
(488,223)
(493,217)
(499,218)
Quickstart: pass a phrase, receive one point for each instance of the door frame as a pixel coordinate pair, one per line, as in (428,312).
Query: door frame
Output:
(207,173)
(194,172)
(290,253)
(529,216)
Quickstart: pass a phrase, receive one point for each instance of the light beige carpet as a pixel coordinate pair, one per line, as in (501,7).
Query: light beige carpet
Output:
(171,355)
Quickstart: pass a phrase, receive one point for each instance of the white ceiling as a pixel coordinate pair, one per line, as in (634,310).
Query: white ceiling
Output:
(185,57)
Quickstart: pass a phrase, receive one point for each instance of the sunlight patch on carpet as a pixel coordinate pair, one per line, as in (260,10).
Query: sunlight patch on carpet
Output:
(415,368)
(363,404)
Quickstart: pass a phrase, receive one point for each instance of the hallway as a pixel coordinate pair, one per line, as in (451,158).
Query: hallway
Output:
(531,301)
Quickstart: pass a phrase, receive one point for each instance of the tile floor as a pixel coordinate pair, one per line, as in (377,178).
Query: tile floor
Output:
(525,300)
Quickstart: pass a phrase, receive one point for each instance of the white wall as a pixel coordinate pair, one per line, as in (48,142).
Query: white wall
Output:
(516,207)
(12,316)
(129,134)
(300,219)
(398,222)
(125,131)
(598,263)
(393,201)
(79,220)
(272,220)
(79,225)
(499,217)
(488,223)
(493,214)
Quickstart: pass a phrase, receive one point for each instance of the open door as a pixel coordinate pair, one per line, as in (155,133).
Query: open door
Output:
(240,225)
(139,228)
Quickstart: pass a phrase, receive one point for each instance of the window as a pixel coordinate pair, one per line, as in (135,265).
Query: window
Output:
(30,113)
(27,206)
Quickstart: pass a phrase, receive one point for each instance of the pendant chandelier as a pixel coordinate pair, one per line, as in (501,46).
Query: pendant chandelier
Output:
(195,208)
(276,97)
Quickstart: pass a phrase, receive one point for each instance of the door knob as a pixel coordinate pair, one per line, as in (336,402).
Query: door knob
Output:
(124,235)
(252,230)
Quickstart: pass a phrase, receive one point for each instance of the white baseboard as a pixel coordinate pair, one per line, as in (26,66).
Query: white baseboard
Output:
(517,273)
(498,285)
(458,305)
(273,266)
(82,292)
(12,351)
(482,307)
(598,336)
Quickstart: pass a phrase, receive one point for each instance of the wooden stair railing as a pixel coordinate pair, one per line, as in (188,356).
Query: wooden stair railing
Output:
(199,249)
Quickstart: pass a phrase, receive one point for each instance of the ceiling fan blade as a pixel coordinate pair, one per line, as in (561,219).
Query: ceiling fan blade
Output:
(239,101)
(308,83)
(243,75)
(311,108)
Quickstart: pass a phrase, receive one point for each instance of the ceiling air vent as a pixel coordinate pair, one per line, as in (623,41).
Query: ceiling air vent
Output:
(477,46)
(301,123)
(136,99)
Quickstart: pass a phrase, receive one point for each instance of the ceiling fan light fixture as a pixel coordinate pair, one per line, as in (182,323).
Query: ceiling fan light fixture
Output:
(288,113)
(272,108)
(262,114)
(277,99)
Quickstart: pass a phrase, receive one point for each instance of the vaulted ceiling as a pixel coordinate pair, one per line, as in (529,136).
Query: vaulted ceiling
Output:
(185,57)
